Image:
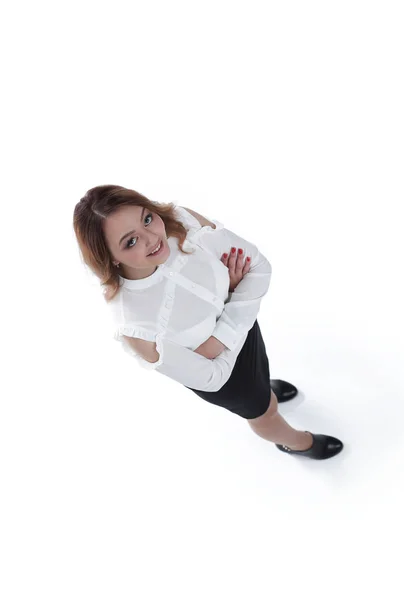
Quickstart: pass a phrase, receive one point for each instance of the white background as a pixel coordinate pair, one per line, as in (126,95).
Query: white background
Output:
(283,120)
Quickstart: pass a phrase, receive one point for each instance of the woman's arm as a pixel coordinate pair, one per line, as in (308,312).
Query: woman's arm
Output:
(242,306)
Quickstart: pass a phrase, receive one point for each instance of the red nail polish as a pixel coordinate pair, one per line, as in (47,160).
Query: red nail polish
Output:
(233,250)
(248,258)
(240,251)
(224,255)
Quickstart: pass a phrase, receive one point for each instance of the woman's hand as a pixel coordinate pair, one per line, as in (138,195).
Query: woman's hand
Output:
(211,348)
(234,262)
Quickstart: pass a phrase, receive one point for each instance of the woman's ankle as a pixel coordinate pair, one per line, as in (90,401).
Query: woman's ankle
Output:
(304,443)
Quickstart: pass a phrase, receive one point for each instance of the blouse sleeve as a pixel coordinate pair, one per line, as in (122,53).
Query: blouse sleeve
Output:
(182,364)
(241,310)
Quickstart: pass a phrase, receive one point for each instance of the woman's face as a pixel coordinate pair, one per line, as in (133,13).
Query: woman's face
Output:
(131,234)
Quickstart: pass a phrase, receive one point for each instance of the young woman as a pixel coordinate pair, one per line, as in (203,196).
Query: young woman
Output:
(190,315)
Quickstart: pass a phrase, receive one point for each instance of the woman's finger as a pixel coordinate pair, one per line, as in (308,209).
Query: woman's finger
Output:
(232,259)
(240,260)
(246,266)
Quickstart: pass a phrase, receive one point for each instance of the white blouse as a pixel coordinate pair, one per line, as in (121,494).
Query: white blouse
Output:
(187,300)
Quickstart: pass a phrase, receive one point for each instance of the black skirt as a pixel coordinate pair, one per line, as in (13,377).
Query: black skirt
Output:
(247,392)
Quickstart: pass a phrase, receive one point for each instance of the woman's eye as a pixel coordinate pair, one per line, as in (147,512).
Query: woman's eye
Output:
(128,245)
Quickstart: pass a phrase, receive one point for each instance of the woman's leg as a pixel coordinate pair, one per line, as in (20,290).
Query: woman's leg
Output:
(273,427)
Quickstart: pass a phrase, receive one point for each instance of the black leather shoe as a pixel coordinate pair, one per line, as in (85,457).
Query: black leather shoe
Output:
(283,390)
(324,446)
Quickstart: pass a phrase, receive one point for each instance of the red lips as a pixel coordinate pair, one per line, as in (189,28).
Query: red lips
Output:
(160,242)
